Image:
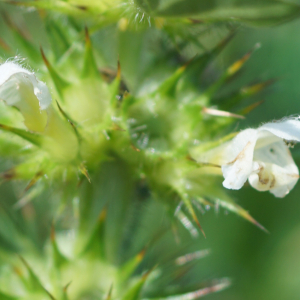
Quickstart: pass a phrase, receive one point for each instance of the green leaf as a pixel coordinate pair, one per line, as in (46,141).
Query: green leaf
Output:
(58,258)
(198,150)
(60,83)
(229,102)
(191,210)
(57,5)
(7,244)
(65,291)
(199,63)
(168,86)
(33,138)
(217,287)
(89,65)
(128,268)
(82,168)
(95,245)
(11,148)
(134,292)
(4,46)
(229,72)
(230,205)
(32,281)
(58,35)
(108,296)
(250,107)
(31,169)
(128,101)
(29,196)
(6,297)
(252,12)
(21,40)
(115,87)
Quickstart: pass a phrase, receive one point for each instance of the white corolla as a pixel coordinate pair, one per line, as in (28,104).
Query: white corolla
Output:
(21,89)
(260,155)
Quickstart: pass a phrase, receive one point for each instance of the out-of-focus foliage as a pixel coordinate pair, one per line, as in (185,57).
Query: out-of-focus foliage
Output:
(150,57)
(127,251)
(174,12)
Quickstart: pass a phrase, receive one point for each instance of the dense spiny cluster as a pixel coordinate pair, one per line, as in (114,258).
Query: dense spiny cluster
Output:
(101,151)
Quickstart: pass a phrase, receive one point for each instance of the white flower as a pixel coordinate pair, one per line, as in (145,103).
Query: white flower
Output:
(262,156)
(20,88)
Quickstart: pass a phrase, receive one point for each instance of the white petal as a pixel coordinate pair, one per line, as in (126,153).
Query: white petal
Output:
(265,138)
(42,92)
(274,178)
(240,159)
(18,92)
(280,192)
(9,70)
(262,178)
(288,129)
(275,152)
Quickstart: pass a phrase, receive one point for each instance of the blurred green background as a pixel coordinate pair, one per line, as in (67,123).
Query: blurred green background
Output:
(262,266)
